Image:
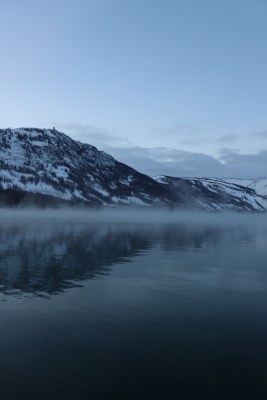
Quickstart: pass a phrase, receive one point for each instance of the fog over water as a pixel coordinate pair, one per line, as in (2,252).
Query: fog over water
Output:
(128,215)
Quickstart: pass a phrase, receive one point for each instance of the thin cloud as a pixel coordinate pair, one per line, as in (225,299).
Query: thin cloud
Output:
(228,138)
(178,130)
(245,165)
(173,162)
(184,134)
(92,134)
(168,161)
(258,135)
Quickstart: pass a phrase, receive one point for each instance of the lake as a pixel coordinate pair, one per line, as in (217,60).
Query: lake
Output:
(98,307)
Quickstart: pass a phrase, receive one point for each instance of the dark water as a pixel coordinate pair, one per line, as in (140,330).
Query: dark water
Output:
(133,311)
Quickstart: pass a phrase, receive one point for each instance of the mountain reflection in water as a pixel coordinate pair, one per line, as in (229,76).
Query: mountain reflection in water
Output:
(40,258)
(138,311)
(45,259)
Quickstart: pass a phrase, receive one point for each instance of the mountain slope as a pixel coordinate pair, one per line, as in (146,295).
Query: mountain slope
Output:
(46,167)
(259,184)
(213,194)
(47,162)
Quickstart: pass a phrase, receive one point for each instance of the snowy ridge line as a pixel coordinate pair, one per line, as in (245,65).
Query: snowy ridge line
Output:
(219,193)
(48,162)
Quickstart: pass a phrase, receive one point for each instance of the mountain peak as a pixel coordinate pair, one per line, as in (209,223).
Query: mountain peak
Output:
(48,162)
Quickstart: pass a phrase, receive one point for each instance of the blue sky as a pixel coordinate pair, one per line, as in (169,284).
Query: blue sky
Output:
(167,86)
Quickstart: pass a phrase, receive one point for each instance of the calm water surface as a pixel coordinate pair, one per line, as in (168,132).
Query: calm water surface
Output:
(94,310)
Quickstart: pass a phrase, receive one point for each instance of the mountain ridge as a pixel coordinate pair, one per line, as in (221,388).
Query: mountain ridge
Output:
(218,193)
(49,162)
(38,162)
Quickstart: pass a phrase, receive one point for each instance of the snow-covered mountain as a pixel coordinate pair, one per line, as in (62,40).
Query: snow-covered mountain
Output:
(45,166)
(259,184)
(213,194)
(48,162)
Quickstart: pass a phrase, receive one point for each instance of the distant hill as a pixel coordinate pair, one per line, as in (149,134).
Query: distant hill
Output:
(216,194)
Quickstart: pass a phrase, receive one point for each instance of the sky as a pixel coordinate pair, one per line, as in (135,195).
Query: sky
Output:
(174,87)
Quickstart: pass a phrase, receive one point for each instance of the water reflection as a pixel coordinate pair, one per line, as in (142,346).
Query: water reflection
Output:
(41,258)
(45,259)
(166,311)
